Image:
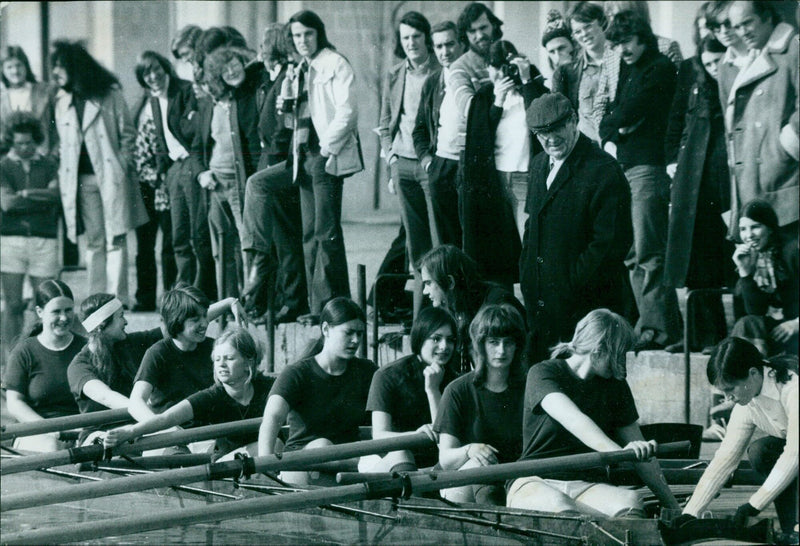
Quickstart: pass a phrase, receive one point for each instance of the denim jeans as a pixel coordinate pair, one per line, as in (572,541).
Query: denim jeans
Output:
(657,303)
(412,189)
(191,240)
(272,235)
(146,273)
(323,241)
(515,185)
(444,200)
(225,244)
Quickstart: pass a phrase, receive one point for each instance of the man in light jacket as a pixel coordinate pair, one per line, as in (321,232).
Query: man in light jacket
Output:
(760,102)
(325,150)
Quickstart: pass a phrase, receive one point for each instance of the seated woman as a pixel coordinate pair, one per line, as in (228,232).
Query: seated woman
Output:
(102,374)
(401,391)
(240,392)
(480,416)
(765,393)
(575,403)
(36,376)
(180,364)
(451,280)
(324,396)
(768,282)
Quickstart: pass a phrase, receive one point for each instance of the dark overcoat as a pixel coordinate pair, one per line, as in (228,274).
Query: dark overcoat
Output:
(695,141)
(576,238)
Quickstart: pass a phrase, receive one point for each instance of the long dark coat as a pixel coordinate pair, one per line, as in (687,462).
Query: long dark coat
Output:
(701,187)
(489,230)
(576,239)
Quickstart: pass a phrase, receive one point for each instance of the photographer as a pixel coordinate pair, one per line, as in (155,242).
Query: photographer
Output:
(497,153)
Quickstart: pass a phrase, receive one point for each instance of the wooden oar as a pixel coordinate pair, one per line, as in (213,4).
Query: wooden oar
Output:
(419,483)
(157,441)
(70,422)
(617,476)
(294,460)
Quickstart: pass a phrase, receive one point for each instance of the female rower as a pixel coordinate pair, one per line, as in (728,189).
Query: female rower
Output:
(36,377)
(324,396)
(480,416)
(576,403)
(102,374)
(451,280)
(239,392)
(765,393)
(401,390)
(180,364)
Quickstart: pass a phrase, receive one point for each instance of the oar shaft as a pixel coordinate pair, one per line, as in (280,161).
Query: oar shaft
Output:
(295,460)
(157,441)
(203,514)
(294,501)
(57,424)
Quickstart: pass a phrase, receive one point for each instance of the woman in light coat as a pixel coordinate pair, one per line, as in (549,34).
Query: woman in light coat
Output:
(99,193)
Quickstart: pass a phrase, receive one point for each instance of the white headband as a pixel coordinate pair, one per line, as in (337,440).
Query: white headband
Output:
(98,317)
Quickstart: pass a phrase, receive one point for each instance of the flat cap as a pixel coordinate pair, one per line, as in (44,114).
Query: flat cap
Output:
(548,111)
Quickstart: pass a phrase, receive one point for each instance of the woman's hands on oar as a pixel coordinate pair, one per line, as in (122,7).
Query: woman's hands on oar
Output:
(643,449)
(117,436)
(484,454)
(428,430)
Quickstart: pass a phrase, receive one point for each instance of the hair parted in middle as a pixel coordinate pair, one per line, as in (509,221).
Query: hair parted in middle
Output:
(417,21)
(502,321)
(472,13)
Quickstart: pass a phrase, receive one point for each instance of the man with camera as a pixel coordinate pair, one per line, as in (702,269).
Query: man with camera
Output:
(495,163)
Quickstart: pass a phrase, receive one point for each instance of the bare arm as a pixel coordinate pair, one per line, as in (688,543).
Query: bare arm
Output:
(19,409)
(562,409)
(275,413)
(452,455)
(102,394)
(177,414)
(137,405)
(650,470)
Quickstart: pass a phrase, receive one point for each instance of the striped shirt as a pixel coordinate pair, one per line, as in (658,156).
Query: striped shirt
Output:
(775,412)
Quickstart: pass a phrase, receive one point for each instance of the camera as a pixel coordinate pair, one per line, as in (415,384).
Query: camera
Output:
(511,70)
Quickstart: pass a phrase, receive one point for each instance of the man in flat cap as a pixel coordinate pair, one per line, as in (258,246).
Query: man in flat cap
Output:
(578,230)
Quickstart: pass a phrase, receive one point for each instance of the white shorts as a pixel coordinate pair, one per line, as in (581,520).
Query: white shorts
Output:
(571,488)
(36,256)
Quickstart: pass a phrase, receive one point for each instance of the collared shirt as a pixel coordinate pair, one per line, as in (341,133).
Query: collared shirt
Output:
(403,144)
(775,412)
(587,90)
(555,164)
(512,141)
(447,137)
(174,147)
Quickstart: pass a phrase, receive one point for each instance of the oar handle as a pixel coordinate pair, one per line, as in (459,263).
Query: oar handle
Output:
(58,424)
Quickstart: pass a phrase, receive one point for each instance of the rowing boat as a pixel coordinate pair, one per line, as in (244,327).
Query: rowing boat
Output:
(413,521)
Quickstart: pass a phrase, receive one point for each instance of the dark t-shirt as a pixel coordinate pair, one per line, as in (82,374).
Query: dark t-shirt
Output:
(176,374)
(324,405)
(126,356)
(607,402)
(476,414)
(399,390)
(40,375)
(213,405)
